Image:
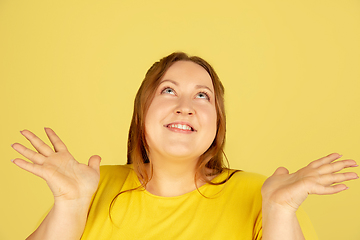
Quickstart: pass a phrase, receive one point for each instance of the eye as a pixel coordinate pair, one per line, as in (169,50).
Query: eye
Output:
(203,95)
(168,90)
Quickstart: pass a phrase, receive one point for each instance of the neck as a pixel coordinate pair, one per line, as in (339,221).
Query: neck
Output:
(172,177)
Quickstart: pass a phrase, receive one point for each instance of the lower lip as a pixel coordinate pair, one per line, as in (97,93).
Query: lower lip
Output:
(180,130)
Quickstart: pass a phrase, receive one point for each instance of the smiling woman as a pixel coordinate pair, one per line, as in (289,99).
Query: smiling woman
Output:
(175,184)
(172,93)
(169,115)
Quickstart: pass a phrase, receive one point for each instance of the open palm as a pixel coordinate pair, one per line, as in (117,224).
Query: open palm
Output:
(67,178)
(319,177)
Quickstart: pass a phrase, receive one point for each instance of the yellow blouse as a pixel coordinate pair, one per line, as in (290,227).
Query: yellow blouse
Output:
(228,211)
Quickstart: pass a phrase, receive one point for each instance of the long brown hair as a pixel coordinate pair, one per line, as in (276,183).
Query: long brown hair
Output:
(137,154)
(137,147)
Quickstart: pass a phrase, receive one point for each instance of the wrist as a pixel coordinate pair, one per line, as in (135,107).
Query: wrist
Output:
(272,207)
(77,207)
(280,222)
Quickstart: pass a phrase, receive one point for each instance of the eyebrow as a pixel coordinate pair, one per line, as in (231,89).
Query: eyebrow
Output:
(177,84)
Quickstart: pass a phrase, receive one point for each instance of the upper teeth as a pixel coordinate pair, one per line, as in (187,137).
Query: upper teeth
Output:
(180,126)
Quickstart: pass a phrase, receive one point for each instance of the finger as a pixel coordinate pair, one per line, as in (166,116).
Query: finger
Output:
(329,179)
(30,167)
(28,153)
(38,144)
(55,140)
(325,160)
(336,166)
(321,190)
(94,163)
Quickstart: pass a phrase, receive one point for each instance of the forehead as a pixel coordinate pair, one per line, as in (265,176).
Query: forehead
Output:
(187,71)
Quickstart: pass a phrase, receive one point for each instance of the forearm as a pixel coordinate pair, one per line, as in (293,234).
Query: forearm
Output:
(280,223)
(64,221)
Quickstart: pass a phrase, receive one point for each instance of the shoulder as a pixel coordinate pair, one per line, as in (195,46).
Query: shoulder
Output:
(239,176)
(242,181)
(114,172)
(249,177)
(108,169)
(241,191)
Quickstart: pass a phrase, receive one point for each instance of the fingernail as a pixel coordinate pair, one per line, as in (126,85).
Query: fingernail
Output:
(12,160)
(354,165)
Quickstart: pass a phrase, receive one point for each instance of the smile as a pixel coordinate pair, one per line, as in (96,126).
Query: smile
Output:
(180,127)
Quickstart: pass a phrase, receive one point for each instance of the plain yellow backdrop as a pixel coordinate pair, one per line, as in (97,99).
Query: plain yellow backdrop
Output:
(291,71)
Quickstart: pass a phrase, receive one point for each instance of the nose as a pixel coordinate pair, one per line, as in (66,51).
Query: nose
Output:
(185,107)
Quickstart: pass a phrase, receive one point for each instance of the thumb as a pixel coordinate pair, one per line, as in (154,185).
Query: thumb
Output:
(94,163)
(281,171)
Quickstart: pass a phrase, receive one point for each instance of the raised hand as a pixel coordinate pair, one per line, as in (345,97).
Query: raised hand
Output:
(67,178)
(319,177)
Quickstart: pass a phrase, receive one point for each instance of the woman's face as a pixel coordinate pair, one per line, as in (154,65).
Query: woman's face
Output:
(181,120)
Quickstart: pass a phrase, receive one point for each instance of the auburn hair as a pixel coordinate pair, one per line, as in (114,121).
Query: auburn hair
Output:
(137,155)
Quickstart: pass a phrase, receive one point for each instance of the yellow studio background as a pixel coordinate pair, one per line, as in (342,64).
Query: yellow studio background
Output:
(291,71)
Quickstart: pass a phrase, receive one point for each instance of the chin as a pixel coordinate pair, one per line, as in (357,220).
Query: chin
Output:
(182,152)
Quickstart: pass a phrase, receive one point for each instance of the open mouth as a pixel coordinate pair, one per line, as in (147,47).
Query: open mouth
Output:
(178,126)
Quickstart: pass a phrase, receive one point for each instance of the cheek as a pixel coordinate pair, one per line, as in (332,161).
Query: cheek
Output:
(214,122)
(156,111)
(210,120)
(155,116)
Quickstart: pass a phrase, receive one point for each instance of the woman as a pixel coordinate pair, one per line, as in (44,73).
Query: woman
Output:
(175,185)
